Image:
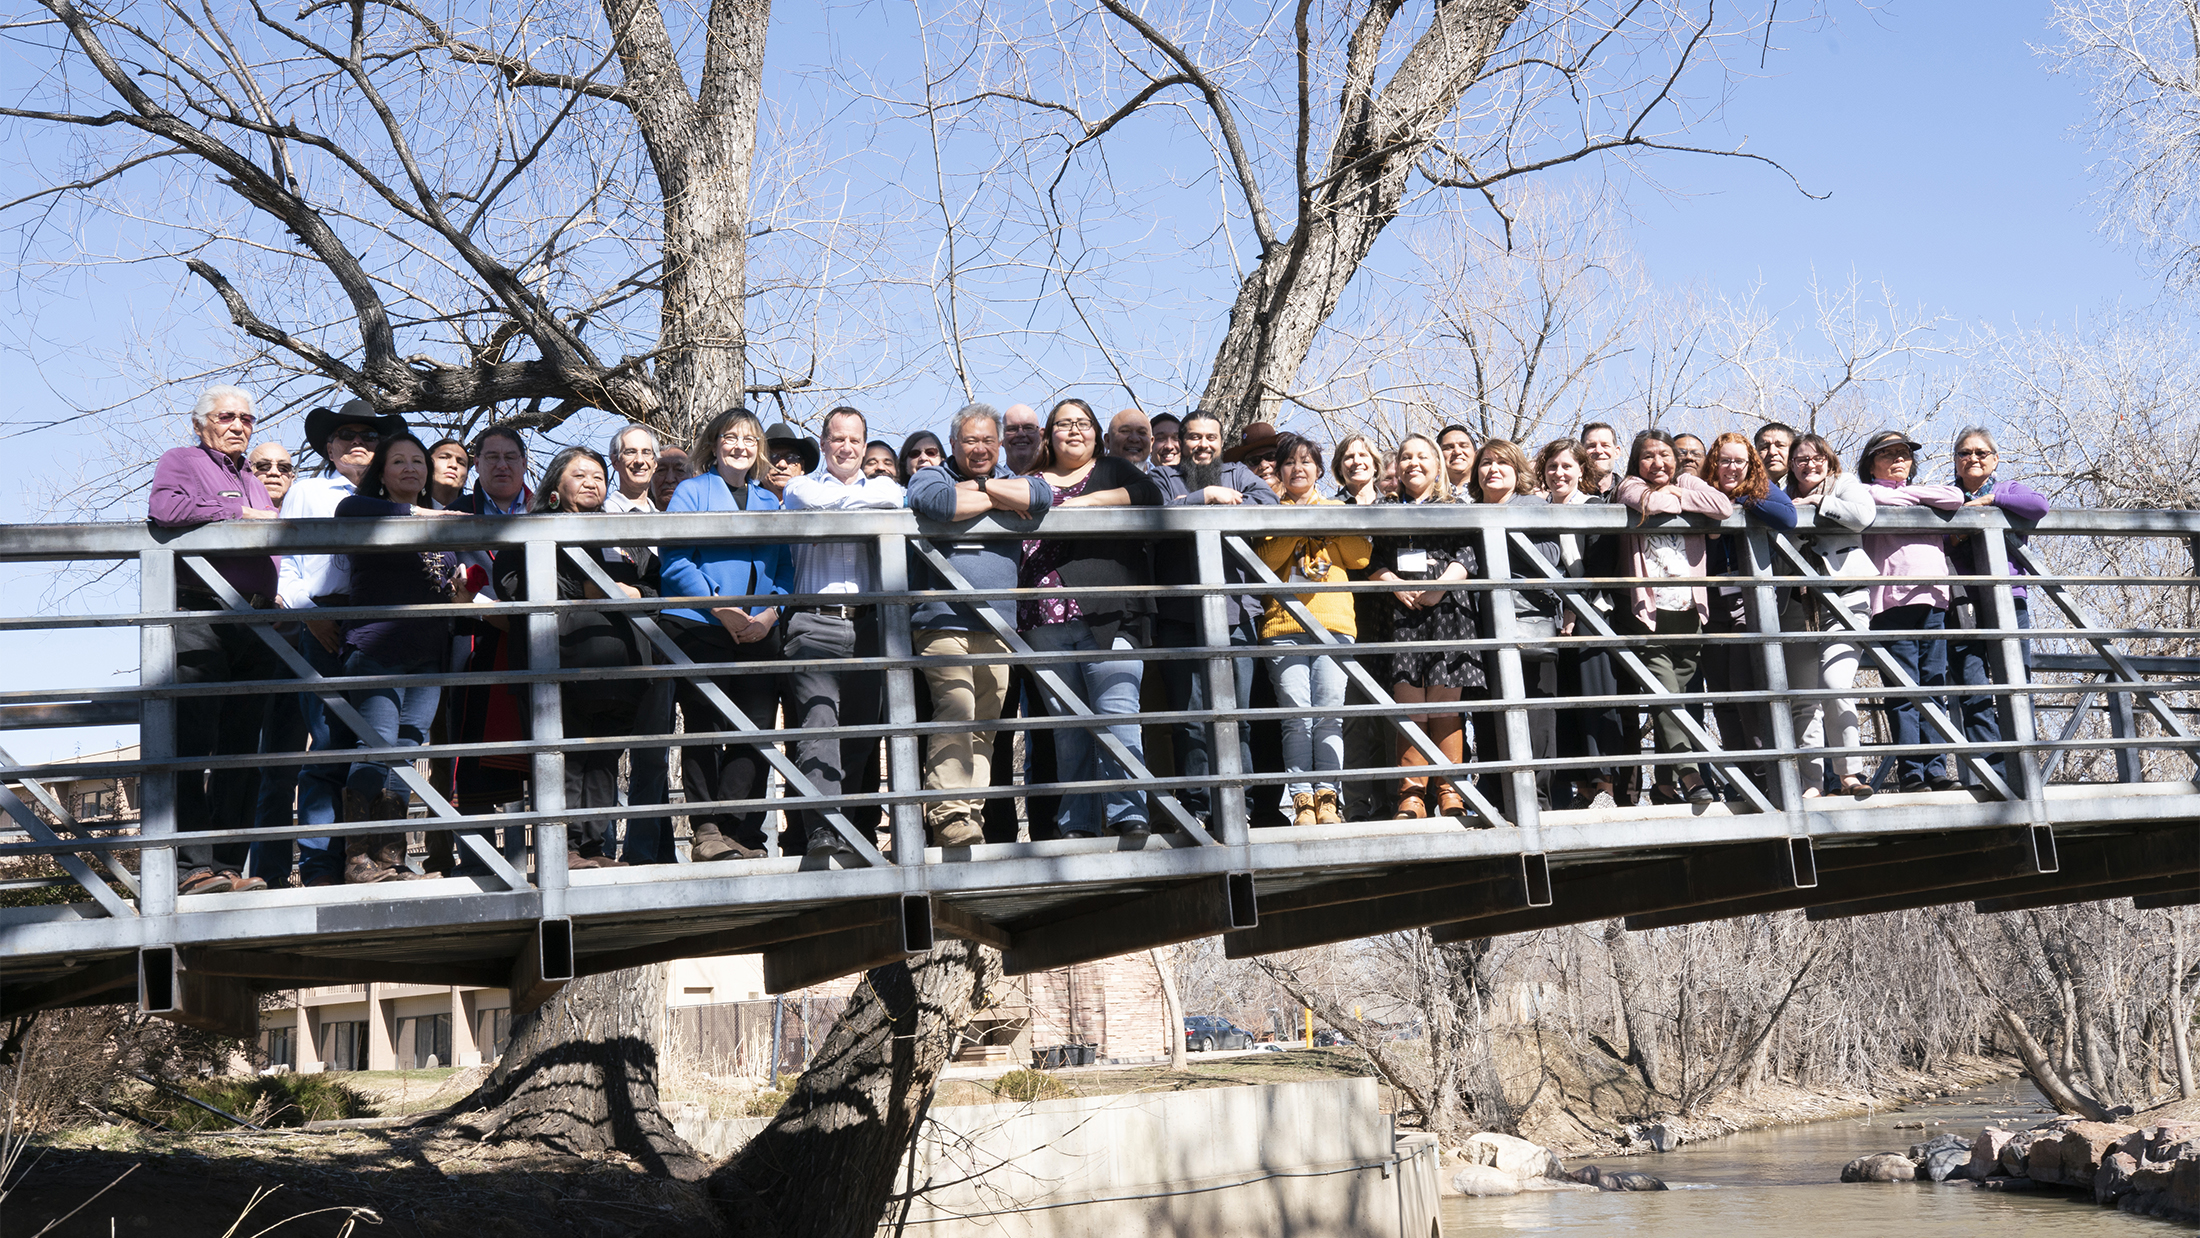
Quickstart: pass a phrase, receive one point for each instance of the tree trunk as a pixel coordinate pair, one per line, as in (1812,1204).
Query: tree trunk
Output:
(2037,1064)
(580,1076)
(1172,1009)
(826,1164)
(1642,1040)
(1294,288)
(703,148)
(2180,1007)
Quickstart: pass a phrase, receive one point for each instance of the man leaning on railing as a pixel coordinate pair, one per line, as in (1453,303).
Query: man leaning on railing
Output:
(205,483)
(963,488)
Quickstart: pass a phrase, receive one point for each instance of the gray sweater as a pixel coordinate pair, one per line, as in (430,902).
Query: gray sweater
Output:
(985,564)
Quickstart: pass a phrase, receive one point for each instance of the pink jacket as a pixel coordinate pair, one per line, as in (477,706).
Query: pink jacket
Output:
(1910,554)
(1695,496)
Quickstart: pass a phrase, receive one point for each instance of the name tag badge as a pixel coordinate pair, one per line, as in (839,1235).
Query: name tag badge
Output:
(1413,563)
(232,494)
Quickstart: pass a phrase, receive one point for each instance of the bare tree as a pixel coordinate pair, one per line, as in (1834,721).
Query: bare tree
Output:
(1327,124)
(2141,61)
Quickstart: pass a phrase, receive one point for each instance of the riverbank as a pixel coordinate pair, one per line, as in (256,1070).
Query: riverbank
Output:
(1592,1105)
(1784,1178)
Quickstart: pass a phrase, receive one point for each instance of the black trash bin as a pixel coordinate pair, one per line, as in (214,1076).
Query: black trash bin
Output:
(1085,1055)
(1052,1057)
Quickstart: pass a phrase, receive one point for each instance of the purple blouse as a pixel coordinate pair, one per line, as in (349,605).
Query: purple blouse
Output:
(199,485)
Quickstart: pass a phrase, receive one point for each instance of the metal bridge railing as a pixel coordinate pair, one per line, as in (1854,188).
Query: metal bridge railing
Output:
(2123,706)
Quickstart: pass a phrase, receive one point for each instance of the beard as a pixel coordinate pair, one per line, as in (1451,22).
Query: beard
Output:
(1200,476)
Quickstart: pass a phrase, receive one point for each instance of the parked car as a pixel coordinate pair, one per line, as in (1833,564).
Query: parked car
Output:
(1205,1033)
(1331,1038)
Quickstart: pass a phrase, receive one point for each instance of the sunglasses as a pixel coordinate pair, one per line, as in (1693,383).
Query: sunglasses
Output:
(285,467)
(786,457)
(353,434)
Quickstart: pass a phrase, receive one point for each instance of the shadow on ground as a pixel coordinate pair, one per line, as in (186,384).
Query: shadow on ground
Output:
(417,1184)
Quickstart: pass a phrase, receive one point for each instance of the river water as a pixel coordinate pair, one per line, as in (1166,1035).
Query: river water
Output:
(1787,1180)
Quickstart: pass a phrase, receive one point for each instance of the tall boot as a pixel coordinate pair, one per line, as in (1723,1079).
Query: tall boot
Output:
(360,866)
(389,849)
(1412,792)
(1451,740)
(441,852)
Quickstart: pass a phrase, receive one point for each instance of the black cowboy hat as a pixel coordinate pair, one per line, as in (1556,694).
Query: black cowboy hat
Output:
(322,422)
(783,435)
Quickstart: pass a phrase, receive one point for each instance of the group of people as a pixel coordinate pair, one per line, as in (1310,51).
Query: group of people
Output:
(775,665)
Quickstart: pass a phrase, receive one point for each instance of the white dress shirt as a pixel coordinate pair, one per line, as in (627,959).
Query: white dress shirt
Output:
(836,567)
(302,578)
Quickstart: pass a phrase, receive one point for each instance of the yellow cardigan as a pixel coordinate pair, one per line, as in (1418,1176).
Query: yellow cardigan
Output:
(1325,559)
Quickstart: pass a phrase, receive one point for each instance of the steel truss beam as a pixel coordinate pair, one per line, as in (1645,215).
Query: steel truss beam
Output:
(748,939)
(91,985)
(2178,884)
(1220,904)
(208,1001)
(2101,860)
(805,961)
(1601,891)
(1999,854)
(1370,906)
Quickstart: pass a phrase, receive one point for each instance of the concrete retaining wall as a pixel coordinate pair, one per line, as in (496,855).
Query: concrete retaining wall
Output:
(1240,1162)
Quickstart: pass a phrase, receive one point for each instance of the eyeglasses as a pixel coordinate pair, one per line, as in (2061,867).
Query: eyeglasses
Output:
(1975,453)
(285,467)
(1079,427)
(739,439)
(355,434)
(224,418)
(1800,461)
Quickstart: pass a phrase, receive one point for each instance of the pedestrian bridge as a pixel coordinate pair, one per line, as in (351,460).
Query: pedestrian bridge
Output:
(2098,800)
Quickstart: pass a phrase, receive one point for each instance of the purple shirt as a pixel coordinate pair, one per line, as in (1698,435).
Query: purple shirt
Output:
(199,485)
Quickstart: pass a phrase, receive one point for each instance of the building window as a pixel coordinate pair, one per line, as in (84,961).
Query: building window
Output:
(424,1041)
(493,1029)
(344,1045)
(95,804)
(275,1044)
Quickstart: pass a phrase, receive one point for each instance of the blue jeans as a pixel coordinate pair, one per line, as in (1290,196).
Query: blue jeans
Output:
(400,714)
(1985,719)
(1926,663)
(1310,740)
(1186,682)
(1110,688)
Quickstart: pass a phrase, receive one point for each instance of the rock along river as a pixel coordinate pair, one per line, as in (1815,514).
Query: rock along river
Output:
(1787,1180)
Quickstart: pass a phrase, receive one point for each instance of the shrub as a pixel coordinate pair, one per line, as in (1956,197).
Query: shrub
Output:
(265,1100)
(1030,1085)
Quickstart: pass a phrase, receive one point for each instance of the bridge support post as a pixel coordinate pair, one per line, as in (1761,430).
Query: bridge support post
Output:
(2021,770)
(547,707)
(901,699)
(157,733)
(1228,800)
(1512,685)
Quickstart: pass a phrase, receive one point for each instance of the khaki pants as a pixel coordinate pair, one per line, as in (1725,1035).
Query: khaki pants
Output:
(958,759)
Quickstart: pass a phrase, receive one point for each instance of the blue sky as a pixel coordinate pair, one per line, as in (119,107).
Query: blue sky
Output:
(1946,148)
(1944,144)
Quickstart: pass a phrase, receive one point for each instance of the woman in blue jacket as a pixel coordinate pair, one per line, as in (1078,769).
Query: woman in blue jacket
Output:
(730,456)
